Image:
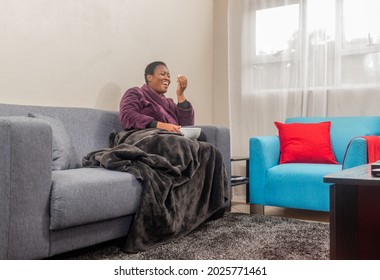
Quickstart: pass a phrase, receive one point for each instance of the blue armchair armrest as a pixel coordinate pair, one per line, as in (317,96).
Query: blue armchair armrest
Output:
(356,153)
(264,153)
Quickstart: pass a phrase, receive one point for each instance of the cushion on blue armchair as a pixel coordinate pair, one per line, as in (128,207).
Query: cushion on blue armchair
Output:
(305,143)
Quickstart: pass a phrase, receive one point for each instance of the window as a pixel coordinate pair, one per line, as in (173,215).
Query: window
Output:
(361,23)
(316,43)
(281,31)
(361,42)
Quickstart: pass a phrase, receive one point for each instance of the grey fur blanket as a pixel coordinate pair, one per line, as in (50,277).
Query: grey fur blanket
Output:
(184,183)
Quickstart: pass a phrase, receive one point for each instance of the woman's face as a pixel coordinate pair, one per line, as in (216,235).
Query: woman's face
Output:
(160,80)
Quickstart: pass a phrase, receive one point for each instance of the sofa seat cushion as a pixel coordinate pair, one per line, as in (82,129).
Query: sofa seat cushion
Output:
(86,195)
(296,185)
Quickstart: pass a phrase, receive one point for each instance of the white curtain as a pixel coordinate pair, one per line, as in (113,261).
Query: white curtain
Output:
(300,58)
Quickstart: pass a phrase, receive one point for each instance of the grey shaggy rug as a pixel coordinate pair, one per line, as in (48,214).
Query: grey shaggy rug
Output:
(236,236)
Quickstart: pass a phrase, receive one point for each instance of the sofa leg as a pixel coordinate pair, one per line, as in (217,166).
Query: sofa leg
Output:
(256,209)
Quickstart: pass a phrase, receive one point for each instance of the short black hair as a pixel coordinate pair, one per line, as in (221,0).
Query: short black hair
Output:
(149,69)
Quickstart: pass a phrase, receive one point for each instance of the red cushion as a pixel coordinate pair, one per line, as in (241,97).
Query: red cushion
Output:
(305,143)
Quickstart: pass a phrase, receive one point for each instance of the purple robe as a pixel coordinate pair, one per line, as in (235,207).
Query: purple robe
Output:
(140,106)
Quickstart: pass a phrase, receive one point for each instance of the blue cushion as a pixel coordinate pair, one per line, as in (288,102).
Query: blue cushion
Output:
(298,185)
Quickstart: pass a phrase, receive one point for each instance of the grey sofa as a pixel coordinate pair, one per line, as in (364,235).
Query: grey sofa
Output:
(45,212)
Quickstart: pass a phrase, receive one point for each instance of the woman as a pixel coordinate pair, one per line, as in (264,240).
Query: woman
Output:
(147,107)
(168,166)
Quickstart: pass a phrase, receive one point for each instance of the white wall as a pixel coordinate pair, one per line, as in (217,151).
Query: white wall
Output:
(221,83)
(86,53)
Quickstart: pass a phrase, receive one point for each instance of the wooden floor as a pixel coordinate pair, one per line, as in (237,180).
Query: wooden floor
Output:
(308,215)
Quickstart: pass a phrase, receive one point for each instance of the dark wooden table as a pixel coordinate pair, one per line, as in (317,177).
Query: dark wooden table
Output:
(354,214)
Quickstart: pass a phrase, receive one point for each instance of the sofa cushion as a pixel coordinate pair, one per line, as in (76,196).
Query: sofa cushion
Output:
(305,143)
(298,185)
(63,151)
(86,195)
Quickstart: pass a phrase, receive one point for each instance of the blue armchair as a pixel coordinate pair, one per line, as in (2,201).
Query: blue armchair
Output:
(300,185)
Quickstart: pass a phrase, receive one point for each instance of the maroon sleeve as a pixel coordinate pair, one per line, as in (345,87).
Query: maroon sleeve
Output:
(185,115)
(131,105)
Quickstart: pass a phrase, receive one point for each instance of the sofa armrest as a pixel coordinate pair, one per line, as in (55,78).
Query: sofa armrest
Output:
(356,153)
(25,182)
(219,136)
(264,153)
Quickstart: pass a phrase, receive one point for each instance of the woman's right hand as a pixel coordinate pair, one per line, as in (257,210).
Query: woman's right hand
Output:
(168,127)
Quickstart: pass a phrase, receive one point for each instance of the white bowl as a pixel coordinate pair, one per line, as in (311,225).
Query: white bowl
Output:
(191,132)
